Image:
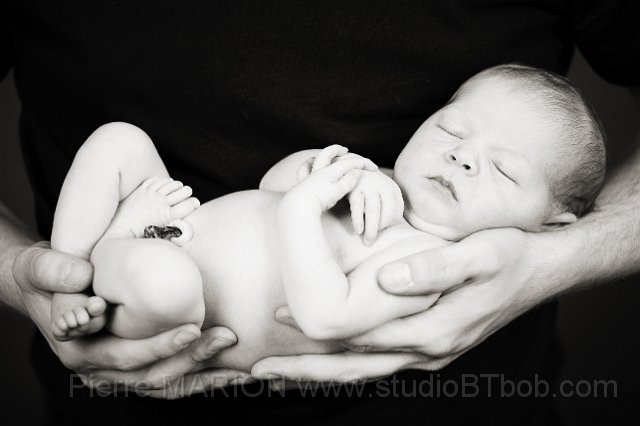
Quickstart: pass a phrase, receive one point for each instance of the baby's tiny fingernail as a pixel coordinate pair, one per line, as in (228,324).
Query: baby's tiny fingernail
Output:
(184,338)
(396,276)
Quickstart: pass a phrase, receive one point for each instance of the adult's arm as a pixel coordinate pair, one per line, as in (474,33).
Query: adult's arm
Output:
(30,271)
(488,278)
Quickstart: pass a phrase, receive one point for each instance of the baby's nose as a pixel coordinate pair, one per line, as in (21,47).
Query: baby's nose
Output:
(464,159)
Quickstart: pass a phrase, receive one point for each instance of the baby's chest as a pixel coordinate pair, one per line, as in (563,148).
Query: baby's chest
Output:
(348,247)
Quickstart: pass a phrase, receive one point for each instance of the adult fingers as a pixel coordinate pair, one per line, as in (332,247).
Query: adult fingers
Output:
(159,374)
(201,382)
(115,353)
(192,359)
(45,269)
(433,271)
(439,332)
(341,367)
(400,335)
(283,315)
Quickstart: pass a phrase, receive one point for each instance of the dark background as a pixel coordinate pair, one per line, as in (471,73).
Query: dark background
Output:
(597,327)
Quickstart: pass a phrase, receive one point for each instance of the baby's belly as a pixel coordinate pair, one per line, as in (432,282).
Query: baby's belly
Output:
(236,248)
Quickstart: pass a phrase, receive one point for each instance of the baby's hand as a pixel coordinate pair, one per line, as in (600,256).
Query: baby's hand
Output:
(327,156)
(326,183)
(376,203)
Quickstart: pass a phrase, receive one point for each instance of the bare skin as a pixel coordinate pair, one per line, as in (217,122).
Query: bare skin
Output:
(159,201)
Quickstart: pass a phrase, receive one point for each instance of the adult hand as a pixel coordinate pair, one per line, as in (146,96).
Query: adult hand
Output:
(487,280)
(167,365)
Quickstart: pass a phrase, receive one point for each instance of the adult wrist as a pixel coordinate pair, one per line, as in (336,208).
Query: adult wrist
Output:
(10,293)
(557,265)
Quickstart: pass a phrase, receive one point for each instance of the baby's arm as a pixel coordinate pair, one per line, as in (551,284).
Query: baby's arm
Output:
(323,300)
(283,175)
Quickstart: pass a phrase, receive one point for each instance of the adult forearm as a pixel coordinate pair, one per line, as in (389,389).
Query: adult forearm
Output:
(601,246)
(13,239)
(612,232)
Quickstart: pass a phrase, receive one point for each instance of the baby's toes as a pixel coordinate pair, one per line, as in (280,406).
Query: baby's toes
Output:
(82,316)
(151,182)
(159,183)
(96,306)
(179,195)
(70,318)
(59,328)
(170,187)
(184,208)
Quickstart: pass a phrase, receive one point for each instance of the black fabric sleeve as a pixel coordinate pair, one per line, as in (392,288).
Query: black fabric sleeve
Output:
(607,32)
(6,51)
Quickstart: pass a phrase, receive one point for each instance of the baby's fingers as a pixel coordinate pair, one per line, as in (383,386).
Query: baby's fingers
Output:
(304,169)
(340,168)
(371,218)
(327,155)
(392,208)
(356,203)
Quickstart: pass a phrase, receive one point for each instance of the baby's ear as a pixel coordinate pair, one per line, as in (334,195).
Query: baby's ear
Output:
(560,220)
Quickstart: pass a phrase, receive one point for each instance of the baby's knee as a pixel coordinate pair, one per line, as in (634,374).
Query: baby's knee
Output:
(116,139)
(159,282)
(169,284)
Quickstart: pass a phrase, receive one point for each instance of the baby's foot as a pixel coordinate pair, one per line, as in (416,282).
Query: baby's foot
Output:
(157,201)
(77,315)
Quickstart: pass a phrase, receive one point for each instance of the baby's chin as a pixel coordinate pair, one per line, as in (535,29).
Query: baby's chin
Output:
(443,231)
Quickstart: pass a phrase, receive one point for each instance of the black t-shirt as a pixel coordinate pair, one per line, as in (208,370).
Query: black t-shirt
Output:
(227,88)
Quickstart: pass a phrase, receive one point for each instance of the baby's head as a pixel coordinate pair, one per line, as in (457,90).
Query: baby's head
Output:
(515,146)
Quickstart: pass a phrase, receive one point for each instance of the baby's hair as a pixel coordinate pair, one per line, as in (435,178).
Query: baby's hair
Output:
(583,140)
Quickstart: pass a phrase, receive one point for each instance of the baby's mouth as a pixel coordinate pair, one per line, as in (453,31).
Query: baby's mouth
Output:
(446,185)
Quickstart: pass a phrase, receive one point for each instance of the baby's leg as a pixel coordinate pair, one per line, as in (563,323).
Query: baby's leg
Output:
(155,285)
(113,161)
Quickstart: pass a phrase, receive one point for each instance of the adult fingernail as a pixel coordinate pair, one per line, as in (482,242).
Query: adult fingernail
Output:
(270,376)
(184,338)
(276,386)
(75,272)
(396,276)
(220,343)
(283,315)
(242,381)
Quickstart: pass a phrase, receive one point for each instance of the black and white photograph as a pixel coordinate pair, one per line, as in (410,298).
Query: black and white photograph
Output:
(319,212)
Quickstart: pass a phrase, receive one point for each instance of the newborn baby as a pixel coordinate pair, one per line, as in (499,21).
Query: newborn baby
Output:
(514,147)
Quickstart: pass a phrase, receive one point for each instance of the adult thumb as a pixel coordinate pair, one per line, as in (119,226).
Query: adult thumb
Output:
(43,268)
(430,271)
